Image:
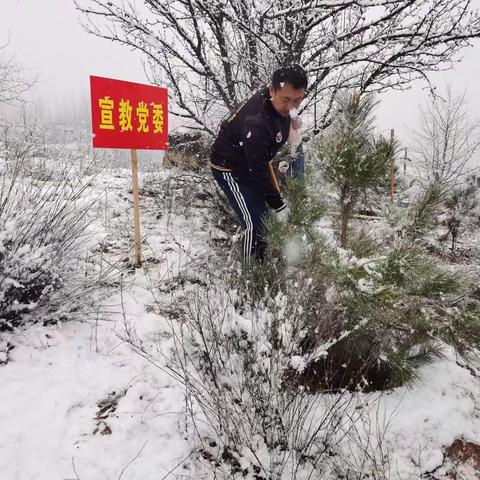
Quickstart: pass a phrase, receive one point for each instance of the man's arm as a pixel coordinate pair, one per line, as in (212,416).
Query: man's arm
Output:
(257,139)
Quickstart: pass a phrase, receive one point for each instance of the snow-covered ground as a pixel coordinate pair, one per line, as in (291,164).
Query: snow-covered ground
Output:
(77,402)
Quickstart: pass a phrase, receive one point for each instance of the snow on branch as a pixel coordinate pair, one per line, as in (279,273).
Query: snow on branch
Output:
(213,53)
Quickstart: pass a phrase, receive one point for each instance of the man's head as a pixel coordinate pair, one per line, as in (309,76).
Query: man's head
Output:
(288,88)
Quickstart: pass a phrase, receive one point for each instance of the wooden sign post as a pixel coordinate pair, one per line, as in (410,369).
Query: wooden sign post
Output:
(136,210)
(129,115)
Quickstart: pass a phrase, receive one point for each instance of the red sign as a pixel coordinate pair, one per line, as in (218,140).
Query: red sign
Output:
(128,115)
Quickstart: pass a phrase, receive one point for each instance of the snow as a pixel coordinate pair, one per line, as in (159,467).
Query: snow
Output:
(298,362)
(58,377)
(49,395)
(427,418)
(294,250)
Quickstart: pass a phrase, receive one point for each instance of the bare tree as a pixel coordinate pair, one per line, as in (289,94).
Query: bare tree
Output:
(447,141)
(212,53)
(13,82)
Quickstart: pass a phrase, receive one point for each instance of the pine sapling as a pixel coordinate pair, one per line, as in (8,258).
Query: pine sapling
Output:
(351,157)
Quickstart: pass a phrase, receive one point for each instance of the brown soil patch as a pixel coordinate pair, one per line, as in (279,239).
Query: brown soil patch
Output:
(464,452)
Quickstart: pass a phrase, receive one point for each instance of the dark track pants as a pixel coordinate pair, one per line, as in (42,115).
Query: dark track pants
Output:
(251,209)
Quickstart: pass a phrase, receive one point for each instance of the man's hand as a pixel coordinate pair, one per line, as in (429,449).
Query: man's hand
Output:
(296,123)
(294,137)
(282,214)
(283,166)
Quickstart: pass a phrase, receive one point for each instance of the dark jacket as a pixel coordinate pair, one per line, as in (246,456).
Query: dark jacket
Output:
(247,142)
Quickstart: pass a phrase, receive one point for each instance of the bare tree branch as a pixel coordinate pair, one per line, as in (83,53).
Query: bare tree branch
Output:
(13,81)
(447,140)
(218,51)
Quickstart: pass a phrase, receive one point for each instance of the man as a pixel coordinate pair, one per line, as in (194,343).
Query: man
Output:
(245,146)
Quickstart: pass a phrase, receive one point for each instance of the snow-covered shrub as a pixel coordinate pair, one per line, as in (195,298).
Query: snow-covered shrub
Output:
(179,193)
(372,314)
(22,143)
(388,305)
(35,145)
(461,204)
(240,340)
(237,357)
(41,226)
(59,161)
(188,193)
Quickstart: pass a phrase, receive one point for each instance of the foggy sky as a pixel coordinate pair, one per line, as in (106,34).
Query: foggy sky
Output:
(46,38)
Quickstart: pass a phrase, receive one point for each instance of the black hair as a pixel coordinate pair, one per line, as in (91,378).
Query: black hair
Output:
(293,74)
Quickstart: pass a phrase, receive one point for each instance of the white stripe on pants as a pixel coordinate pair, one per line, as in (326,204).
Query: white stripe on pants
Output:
(248,239)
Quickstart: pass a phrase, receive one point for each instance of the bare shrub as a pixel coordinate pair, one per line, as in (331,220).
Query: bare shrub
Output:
(235,359)
(177,192)
(42,227)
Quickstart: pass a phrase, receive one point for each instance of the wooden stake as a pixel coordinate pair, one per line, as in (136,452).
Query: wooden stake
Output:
(136,210)
(392,168)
